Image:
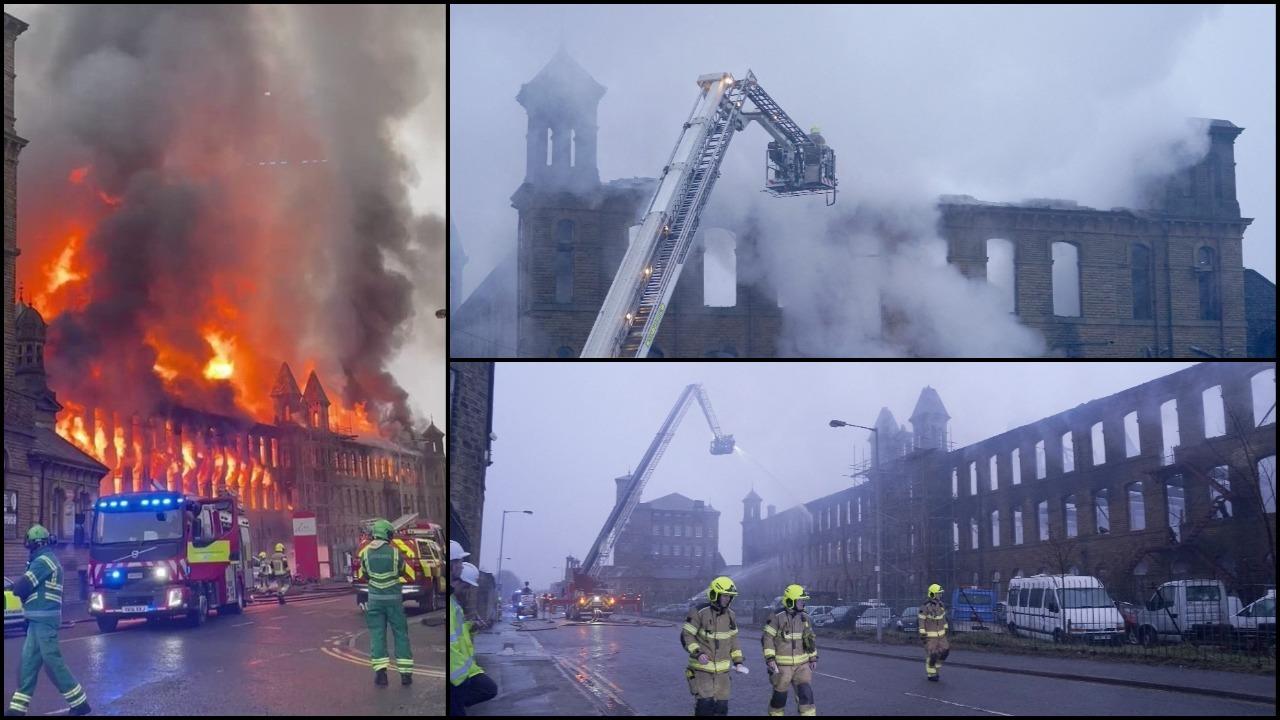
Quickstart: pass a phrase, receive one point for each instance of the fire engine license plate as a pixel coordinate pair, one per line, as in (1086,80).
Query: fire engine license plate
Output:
(135,576)
(134,608)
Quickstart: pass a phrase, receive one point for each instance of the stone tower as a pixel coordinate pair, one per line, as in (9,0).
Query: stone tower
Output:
(751,549)
(929,420)
(13,144)
(286,396)
(573,229)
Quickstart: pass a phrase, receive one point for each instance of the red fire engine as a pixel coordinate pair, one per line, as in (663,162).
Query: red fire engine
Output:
(424,540)
(163,554)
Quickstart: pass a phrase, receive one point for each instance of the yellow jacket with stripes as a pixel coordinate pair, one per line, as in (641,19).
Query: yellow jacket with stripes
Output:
(711,631)
(783,638)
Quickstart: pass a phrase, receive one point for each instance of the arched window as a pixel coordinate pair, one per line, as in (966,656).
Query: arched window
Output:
(1140,281)
(1069,513)
(1101,512)
(564,261)
(1066,280)
(1207,276)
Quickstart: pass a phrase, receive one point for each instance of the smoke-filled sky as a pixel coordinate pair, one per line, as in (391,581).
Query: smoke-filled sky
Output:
(565,430)
(272,176)
(1001,103)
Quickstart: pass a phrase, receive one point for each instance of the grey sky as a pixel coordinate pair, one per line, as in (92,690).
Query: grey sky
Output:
(565,430)
(1003,103)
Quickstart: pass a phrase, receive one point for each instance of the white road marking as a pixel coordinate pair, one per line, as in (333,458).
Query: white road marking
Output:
(243,624)
(837,677)
(948,702)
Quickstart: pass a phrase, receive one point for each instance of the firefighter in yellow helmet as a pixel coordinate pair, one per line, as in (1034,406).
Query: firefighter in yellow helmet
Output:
(263,572)
(790,652)
(710,636)
(933,628)
(281,578)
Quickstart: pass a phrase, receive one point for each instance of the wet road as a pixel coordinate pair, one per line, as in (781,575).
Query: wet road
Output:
(309,657)
(638,670)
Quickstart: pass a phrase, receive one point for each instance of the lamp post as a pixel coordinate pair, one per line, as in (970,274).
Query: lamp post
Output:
(501,539)
(875,468)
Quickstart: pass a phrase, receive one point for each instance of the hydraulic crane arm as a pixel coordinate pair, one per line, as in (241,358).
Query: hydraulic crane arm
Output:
(721,444)
(796,164)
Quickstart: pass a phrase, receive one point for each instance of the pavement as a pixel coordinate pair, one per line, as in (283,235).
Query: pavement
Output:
(307,657)
(630,668)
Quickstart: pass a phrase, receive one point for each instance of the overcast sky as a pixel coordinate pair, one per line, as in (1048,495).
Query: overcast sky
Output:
(1002,103)
(565,430)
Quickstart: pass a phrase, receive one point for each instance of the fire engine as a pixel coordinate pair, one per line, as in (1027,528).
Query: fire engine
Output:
(163,554)
(425,539)
(583,591)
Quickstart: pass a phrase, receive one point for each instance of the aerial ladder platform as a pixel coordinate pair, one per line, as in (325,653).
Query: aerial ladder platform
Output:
(586,574)
(796,163)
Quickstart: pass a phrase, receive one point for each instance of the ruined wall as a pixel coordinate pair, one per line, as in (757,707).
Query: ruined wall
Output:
(470,422)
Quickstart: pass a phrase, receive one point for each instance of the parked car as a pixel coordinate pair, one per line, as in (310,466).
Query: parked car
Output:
(1256,622)
(910,620)
(12,608)
(881,616)
(819,611)
(1187,609)
(830,617)
(973,603)
(1063,607)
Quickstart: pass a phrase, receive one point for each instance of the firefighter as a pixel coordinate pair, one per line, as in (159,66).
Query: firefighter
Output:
(933,628)
(790,652)
(710,637)
(382,566)
(40,589)
(263,571)
(280,572)
(468,682)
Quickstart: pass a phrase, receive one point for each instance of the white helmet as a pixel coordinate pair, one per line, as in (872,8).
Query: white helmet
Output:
(470,574)
(456,552)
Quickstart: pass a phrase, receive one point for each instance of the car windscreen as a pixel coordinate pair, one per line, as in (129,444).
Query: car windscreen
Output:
(1202,593)
(149,526)
(1086,598)
(966,599)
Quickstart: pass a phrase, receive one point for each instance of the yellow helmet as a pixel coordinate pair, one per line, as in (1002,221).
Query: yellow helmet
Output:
(279,547)
(815,130)
(262,553)
(721,586)
(791,595)
(935,590)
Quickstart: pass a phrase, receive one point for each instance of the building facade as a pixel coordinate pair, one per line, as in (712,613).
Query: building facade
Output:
(1171,479)
(668,549)
(1163,280)
(470,439)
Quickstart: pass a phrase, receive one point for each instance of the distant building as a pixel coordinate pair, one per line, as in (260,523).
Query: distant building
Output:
(668,550)
(1171,479)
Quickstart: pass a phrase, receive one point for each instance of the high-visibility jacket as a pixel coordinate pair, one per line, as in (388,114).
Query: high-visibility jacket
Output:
(712,631)
(279,564)
(408,569)
(40,588)
(381,565)
(788,638)
(462,654)
(933,619)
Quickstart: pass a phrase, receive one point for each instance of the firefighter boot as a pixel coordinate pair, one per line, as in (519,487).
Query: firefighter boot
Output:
(81,709)
(380,678)
(406,679)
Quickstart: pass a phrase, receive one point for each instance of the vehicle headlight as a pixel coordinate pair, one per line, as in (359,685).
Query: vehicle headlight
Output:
(161,573)
(95,601)
(175,597)
(595,598)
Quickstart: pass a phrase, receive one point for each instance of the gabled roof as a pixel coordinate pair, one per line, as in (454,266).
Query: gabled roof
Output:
(674,501)
(929,404)
(314,393)
(285,385)
(562,78)
(51,445)
(885,420)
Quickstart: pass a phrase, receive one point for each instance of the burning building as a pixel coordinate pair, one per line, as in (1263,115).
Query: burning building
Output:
(168,272)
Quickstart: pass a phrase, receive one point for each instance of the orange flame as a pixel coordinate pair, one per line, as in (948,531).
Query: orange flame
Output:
(78,175)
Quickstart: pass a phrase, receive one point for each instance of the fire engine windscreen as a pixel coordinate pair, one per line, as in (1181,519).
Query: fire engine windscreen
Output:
(139,526)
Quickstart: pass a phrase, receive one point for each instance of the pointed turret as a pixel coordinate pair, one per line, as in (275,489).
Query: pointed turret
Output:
(317,403)
(285,393)
(929,420)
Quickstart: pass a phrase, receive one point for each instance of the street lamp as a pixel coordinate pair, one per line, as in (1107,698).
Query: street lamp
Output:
(501,539)
(875,467)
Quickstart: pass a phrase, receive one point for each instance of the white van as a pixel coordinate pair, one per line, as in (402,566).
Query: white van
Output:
(1186,608)
(1063,607)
